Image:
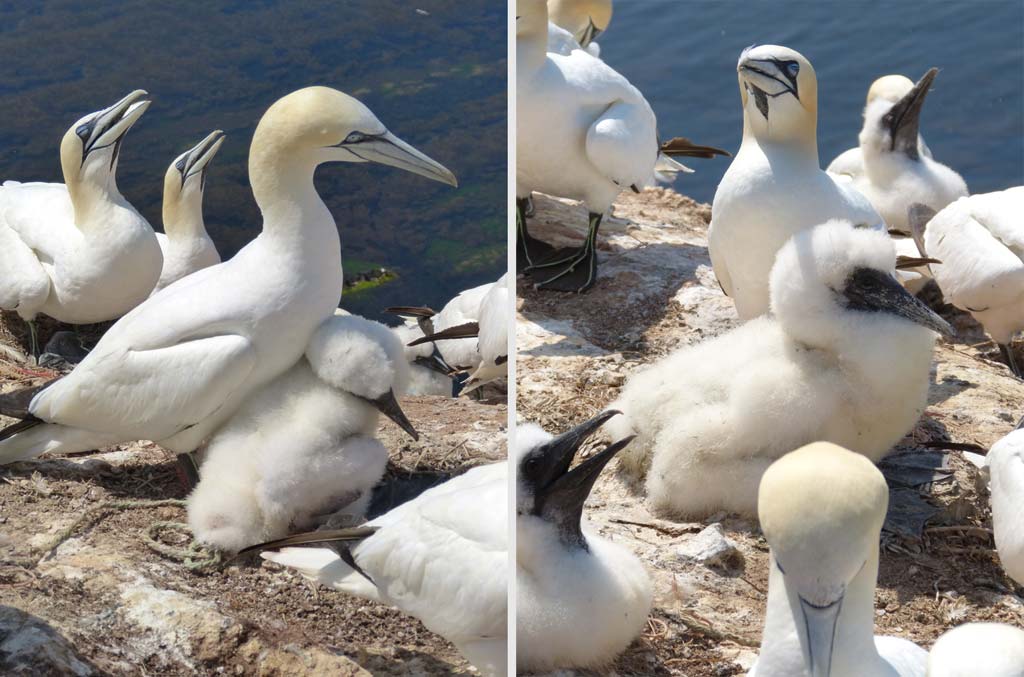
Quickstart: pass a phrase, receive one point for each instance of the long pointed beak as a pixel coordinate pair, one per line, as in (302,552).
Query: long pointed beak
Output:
(388,149)
(388,405)
(588,34)
(196,160)
(904,118)
(114,122)
(558,454)
(820,624)
(875,291)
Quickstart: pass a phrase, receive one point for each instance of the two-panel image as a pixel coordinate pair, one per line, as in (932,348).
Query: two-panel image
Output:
(552,338)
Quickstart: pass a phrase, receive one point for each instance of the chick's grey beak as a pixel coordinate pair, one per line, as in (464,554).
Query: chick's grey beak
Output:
(388,405)
(904,118)
(388,149)
(557,455)
(874,291)
(820,626)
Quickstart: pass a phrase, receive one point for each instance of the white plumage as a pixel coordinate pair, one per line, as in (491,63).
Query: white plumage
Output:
(423,380)
(462,354)
(978,650)
(1006,485)
(492,342)
(711,417)
(178,366)
(304,444)
(575,24)
(441,557)
(774,187)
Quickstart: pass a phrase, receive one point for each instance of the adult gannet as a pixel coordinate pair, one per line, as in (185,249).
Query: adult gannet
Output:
(821,367)
(304,444)
(895,173)
(186,246)
(179,365)
(1006,486)
(492,339)
(441,557)
(980,241)
(774,187)
(78,251)
(978,650)
(581,599)
(583,132)
(821,509)
(575,24)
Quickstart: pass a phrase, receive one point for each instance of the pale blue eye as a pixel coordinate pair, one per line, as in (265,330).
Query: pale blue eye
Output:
(356,137)
(792,68)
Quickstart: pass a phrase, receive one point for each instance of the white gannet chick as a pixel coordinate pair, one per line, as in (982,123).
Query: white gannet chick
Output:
(821,509)
(980,241)
(582,20)
(186,246)
(179,365)
(441,557)
(582,132)
(304,443)
(78,251)
(890,88)
(1005,462)
(581,599)
(978,650)
(821,367)
(774,187)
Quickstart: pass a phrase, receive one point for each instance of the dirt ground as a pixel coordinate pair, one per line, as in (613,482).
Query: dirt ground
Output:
(99,600)
(656,291)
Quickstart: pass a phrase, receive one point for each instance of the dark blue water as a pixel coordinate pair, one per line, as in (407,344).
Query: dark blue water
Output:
(682,56)
(437,80)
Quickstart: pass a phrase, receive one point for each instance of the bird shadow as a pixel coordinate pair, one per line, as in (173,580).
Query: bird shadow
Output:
(25,634)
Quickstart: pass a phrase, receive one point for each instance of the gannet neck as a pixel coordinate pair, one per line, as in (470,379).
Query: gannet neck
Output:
(182,210)
(531,34)
(282,185)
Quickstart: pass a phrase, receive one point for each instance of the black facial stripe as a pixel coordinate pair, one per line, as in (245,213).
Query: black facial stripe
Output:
(357,137)
(790,80)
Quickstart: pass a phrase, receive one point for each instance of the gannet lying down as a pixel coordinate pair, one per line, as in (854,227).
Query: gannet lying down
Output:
(978,649)
(774,187)
(304,444)
(178,366)
(711,417)
(581,599)
(583,132)
(821,508)
(1006,486)
(575,24)
(980,241)
(441,557)
(78,251)
(186,246)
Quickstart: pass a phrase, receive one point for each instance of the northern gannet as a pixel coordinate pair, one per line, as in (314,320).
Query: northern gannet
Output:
(304,444)
(821,509)
(821,367)
(980,241)
(575,24)
(441,557)
(78,251)
(185,244)
(583,132)
(775,186)
(492,341)
(179,365)
(429,374)
(1005,463)
(581,599)
(978,650)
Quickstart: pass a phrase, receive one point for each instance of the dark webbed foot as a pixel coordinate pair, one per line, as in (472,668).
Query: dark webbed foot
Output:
(567,269)
(529,250)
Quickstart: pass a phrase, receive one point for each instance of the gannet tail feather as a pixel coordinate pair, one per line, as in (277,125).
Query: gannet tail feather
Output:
(467,330)
(31,437)
(411,311)
(27,423)
(918,216)
(681,146)
(308,538)
(16,403)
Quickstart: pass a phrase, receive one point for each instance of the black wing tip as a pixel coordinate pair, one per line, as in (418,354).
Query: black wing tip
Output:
(682,146)
(312,538)
(411,311)
(467,330)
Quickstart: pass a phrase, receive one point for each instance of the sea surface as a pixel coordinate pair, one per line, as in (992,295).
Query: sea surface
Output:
(682,56)
(434,71)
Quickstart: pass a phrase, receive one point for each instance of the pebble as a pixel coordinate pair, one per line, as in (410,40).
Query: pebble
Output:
(711,548)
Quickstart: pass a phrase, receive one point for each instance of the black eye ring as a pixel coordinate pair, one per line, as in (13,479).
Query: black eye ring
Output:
(356,137)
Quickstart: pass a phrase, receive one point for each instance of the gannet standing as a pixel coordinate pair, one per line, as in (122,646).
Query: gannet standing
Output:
(774,187)
(581,21)
(186,246)
(1006,486)
(980,241)
(304,444)
(78,251)
(821,367)
(583,132)
(581,599)
(441,557)
(821,509)
(978,650)
(179,365)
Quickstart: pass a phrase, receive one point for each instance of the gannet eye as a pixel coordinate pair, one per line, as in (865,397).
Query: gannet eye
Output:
(792,68)
(530,466)
(356,137)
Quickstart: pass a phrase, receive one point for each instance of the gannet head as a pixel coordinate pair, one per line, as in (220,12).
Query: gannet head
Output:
(779,90)
(365,359)
(891,121)
(546,489)
(821,509)
(90,148)
(531,19)
(835,279)
(585,19)
(184,183)
(329,126)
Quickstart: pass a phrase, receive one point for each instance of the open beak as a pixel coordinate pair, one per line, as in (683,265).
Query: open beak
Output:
(875,291)
(820,624)
(388,149)
(904,118)
(196,160)
(388,405)
(588,34)
(110,125)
